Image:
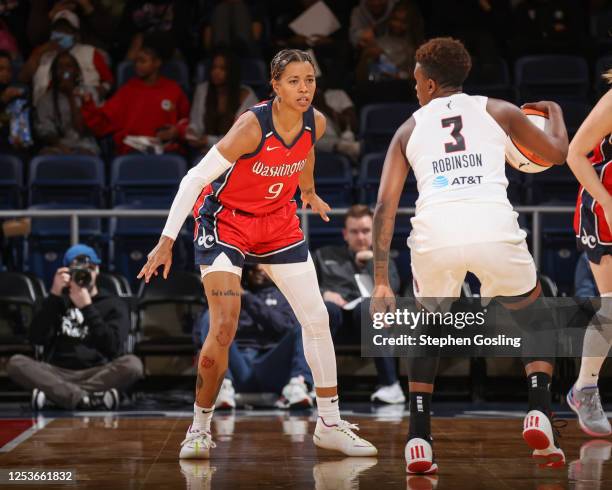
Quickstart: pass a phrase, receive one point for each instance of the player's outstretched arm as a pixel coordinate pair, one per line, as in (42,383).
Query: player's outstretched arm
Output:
(242,138)
(395,171)
(307,183)
(551,144)
(594,128)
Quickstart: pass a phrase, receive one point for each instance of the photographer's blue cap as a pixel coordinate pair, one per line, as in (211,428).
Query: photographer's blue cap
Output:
(78,250)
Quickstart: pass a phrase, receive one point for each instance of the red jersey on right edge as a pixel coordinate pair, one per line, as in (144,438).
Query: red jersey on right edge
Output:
(590,222)
(265,180)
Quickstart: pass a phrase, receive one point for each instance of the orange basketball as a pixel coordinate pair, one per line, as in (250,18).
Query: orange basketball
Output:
(520,157)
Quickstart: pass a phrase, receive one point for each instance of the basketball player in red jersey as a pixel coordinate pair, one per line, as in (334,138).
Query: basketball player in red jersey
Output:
(593,225)
(244,209)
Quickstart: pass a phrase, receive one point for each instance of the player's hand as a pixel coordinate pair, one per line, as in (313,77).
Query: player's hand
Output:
(542,106)
(383,300)
(317,204)
(160,255)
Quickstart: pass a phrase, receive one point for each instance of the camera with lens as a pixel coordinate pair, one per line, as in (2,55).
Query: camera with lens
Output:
(80,271)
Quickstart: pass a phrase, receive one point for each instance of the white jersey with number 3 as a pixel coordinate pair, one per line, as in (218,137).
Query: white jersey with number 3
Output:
(456,151)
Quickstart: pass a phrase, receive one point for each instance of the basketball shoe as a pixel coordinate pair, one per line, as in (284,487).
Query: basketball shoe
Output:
(342,474)
(586,403)
(39,399)
(226,399)
(295,395)
(539,434)
(340,437)
(419,457)
(197,444)
(390,394)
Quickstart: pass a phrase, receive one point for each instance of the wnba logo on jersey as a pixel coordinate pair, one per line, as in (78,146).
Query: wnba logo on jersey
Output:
(285,170)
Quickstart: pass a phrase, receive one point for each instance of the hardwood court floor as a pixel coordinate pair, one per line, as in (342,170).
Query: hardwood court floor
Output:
(271,450)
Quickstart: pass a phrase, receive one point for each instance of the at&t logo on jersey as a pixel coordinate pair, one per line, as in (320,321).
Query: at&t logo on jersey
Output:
(440,181)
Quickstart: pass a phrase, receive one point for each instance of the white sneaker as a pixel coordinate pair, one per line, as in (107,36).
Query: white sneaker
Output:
(389,394)
(538,434)
(197,445)
(226,399)
(419,457)
(340,437)
(295,395)
(342,474)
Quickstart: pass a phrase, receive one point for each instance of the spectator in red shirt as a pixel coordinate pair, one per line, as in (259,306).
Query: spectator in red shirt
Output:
(147,105)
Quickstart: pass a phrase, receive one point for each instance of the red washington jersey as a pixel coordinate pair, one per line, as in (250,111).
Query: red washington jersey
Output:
(263,181)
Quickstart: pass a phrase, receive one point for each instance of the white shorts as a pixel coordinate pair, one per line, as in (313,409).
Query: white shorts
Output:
(504,269)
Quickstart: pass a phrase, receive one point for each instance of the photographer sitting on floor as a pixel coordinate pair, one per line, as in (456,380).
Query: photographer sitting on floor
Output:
(83,333)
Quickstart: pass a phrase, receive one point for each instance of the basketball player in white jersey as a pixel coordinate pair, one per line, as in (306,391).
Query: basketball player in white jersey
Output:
(464,221)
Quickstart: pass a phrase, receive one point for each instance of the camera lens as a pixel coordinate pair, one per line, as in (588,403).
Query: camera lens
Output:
(82,277)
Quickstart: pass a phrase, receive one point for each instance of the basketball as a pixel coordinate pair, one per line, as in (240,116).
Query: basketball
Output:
(520,157)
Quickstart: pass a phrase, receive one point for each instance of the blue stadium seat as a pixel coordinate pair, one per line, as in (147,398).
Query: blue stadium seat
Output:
(133,239)
(559,258)
(378,123)
(150,180)
(66,179)
(490,77)
(322,233)
(253,72)
(334,179)
(551,77)
(176,70)
(11,182)
(574,114)
(369,181)
(603,65)
(50,238)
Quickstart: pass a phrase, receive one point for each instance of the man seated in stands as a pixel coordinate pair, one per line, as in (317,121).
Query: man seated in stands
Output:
(346,274)
(83,333)
(267,354)
(149,112)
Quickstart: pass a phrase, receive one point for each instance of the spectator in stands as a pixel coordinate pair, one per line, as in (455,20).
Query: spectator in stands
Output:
(218,102)
(9,92)
(265,318)
(98,20)
(549,26)
(65,36)
(59,123)
(584,282)
(13,22)
(391,54)
(142,17)
(235,25)
(148,105)
(346,274)
(83,333)
(332,52)
(341,118)
(368,20)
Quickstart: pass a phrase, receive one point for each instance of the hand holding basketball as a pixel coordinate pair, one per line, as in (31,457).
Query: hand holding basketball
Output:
(160,255)
(542,106)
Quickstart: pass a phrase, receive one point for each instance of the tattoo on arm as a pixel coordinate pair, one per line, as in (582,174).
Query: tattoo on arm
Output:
(227,292)
(383,233)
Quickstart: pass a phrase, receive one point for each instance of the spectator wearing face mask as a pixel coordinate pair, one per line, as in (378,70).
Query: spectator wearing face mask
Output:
(59,123)
(65,37)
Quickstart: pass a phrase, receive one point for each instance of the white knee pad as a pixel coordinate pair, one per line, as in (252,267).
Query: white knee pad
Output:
(298,283)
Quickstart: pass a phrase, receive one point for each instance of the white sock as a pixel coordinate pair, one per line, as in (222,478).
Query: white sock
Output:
(202,417)
(589,372)
(328,409)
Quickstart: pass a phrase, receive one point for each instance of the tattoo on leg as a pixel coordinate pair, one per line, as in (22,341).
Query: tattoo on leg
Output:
(207,362)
